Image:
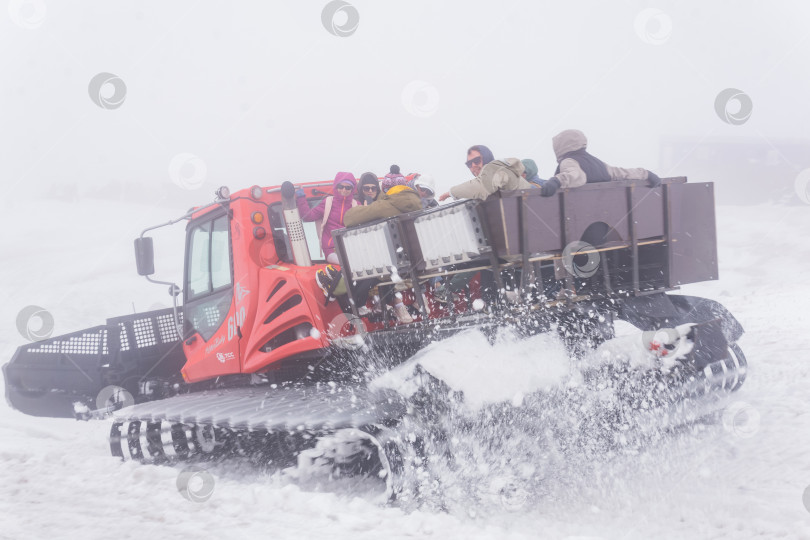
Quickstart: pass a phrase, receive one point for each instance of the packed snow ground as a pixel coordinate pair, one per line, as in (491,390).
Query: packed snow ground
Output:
(739,476)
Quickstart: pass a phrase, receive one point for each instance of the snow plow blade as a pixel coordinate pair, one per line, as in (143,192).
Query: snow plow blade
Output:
(46,378)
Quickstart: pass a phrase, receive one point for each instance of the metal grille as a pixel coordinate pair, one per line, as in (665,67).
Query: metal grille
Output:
(167,329)
(144,332)
(85,343)
(450,236)
(206,316)
(211,316)
(95,341)
(124,338)
(371,250)
(76,366)
(294,228)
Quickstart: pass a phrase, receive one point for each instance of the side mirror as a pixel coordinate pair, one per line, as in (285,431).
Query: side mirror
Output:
(144,256)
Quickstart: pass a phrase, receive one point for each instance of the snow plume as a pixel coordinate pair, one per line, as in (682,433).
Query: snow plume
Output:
(485,373)
(513,424)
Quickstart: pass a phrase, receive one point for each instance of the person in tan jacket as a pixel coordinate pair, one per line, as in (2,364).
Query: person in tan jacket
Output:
(496,175)
(576,166)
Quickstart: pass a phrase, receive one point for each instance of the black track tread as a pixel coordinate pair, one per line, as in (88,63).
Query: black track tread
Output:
(279,409)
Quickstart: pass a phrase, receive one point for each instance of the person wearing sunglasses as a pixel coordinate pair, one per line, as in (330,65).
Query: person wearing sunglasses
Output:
(506,175)
(398,198)
(477,156)
(500,174)
(328,214)
(368,189)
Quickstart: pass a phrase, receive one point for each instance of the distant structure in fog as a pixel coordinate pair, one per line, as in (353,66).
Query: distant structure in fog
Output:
(747,170)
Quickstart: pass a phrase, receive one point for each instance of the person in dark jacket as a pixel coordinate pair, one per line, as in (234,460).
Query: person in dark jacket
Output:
(577,167)
(530,173)
(368,189)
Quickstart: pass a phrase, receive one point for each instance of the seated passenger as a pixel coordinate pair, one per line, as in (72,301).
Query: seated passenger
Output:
(368,189)
(394,175)
(329,213)
(398,198)
(530,173)
(495,175)
(577,167)
(426,188)
(478,156)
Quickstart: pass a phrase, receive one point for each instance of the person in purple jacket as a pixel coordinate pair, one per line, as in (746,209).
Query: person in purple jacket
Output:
(328,214)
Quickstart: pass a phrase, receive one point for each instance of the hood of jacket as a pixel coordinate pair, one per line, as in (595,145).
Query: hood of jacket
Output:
(530,166)
(404,199)
(513,164)
(343,177)
(368,178)
(568,141)
(425,181)
(486,153)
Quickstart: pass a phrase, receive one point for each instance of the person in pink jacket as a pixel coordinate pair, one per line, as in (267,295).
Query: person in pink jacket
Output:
(328,214)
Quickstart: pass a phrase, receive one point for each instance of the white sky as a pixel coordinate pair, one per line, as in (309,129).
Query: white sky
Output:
(262,92)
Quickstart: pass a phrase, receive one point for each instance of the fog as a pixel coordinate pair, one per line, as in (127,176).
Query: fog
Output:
(242,93)
(120,115)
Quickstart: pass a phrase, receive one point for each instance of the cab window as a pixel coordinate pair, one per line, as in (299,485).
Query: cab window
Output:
(209,258)
(209,277)
(282,240)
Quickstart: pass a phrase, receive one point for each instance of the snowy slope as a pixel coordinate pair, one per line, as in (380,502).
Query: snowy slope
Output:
(740,477)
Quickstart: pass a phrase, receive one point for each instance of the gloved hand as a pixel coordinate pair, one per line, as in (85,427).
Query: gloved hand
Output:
(652,179)
(550,187)
(300,192)
(368,199)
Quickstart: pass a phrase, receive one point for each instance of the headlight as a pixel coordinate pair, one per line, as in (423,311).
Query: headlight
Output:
(223,193)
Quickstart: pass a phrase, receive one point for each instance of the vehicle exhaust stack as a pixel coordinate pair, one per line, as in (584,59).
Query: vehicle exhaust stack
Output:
(295,229)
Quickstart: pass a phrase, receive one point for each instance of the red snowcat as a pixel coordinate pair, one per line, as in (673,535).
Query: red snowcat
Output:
(259,361)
